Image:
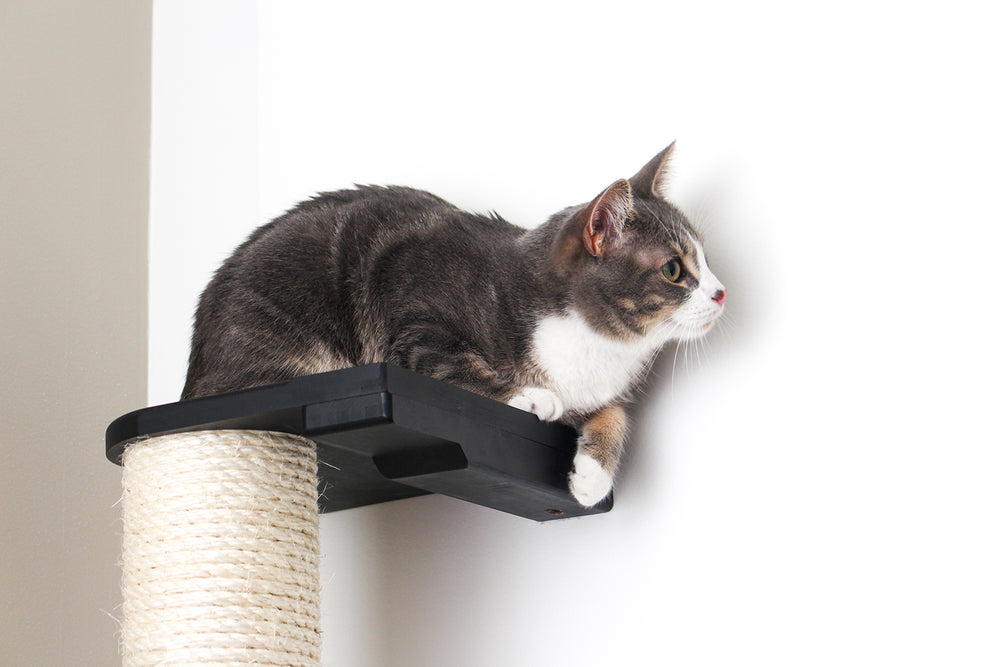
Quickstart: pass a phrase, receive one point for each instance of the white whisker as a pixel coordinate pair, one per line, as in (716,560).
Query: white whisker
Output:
(672,233)
(673,368)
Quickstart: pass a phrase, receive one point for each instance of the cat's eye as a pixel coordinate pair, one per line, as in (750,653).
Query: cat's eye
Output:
(672,270)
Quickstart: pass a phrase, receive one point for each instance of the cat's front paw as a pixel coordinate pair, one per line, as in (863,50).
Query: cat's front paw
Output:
(541,402)
(589,482)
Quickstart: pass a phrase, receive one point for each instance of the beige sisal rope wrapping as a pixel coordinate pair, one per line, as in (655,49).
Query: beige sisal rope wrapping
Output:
(220,550)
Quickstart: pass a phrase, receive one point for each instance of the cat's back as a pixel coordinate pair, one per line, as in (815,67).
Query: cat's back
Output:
(350,232)
(307,281)
(374,212)
(388,211)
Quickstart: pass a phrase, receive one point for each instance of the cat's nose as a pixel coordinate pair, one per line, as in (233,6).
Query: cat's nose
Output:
(720,296)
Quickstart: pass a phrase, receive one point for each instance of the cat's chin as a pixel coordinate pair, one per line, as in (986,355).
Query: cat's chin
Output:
(692,331)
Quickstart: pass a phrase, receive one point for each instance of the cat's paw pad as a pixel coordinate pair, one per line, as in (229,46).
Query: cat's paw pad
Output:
(589,482)
(541,402)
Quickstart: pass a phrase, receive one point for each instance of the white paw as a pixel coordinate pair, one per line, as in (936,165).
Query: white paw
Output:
(541,402)
(589,482)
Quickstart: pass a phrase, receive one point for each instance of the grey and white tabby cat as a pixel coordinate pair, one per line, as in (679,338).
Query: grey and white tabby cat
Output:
(561,320)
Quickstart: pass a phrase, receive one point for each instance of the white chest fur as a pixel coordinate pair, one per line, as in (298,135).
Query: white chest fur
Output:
(586,369)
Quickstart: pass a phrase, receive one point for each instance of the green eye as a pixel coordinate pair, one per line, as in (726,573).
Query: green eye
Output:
(672,270)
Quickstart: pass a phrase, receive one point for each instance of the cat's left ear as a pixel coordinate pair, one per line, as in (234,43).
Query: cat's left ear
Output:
(651,181)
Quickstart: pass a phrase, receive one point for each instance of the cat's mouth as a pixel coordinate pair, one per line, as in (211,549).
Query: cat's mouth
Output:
(699,327)
(706,326)
(713,317)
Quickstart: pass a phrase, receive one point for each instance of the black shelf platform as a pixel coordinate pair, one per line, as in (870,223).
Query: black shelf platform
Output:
(385,433)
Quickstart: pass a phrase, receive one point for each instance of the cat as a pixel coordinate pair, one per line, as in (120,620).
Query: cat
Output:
(561,320)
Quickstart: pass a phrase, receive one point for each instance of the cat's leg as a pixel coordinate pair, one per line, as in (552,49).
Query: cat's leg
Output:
(432,351)
(542,402)
(599,449)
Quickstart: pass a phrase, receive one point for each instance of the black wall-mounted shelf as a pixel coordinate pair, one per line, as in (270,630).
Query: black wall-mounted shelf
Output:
(385,433)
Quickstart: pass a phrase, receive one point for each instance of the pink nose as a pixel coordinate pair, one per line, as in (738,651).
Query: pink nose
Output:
(719,297)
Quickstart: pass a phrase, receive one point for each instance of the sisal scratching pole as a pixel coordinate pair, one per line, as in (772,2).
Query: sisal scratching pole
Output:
(220,550)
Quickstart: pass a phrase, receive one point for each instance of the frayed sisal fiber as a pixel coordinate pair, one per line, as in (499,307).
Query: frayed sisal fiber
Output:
(220,550)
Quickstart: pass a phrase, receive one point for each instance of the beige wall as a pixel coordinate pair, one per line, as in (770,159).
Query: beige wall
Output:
(74,154)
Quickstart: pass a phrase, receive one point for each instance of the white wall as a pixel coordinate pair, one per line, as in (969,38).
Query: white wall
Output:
(815,485)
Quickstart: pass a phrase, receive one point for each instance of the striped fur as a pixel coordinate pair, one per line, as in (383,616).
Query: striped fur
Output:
(560,320)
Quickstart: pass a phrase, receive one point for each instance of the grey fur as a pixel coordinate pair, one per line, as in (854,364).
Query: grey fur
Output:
(399,275)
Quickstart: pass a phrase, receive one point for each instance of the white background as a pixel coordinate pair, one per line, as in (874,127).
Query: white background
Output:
(817,485)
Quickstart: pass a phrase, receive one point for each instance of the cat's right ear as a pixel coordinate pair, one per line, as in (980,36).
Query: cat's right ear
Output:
(604,218)
(596,229)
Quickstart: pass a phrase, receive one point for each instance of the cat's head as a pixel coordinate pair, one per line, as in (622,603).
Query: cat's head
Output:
(635,264)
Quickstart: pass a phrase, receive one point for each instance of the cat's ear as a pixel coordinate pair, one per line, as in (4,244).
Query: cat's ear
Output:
(604,218)
(651,181)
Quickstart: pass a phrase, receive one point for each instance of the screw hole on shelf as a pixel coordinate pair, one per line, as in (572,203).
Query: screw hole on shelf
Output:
(556,512)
